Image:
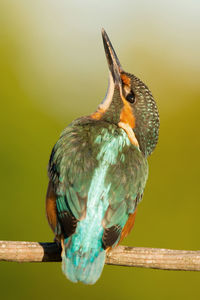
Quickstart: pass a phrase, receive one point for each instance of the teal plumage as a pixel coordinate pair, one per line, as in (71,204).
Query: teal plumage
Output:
(98,170)
(83,171)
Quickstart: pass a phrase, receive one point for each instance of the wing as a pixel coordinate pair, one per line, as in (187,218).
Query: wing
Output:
(128,177)
(71,167)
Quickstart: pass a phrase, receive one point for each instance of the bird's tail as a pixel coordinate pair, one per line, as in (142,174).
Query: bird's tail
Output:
(80,265)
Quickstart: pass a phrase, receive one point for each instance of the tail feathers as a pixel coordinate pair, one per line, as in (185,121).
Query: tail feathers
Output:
(86,267)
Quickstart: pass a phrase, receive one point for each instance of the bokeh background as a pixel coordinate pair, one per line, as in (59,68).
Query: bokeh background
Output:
(52,70)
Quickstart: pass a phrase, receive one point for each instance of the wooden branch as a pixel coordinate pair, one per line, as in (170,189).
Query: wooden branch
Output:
(164,259)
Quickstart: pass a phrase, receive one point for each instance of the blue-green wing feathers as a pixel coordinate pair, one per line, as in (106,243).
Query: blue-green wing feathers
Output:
(98,177)
(70,170)
(128,177)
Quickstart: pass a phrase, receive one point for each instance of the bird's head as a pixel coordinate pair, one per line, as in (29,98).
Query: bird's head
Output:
(129,104)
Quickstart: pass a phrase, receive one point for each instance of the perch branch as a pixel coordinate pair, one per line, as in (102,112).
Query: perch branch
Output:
(155,258)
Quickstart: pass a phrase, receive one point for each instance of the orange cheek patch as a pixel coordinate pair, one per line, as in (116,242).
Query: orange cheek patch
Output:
(98,114)
(126,115)
(126,80)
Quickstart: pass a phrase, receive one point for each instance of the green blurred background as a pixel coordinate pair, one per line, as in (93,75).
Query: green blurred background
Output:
(52,70)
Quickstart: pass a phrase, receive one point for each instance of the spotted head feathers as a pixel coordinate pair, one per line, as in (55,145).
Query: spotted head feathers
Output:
(129,104)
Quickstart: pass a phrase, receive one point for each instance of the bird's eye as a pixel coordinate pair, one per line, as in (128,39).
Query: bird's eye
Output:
(130,97)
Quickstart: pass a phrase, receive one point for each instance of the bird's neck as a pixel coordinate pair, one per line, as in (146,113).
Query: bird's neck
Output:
(109,110)
(120,114)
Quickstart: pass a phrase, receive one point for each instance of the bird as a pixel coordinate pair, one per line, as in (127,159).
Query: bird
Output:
(98,171)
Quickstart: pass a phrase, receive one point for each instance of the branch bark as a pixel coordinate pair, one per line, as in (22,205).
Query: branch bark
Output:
(155,258)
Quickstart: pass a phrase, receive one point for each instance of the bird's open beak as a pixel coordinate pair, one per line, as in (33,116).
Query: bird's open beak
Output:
(113,61)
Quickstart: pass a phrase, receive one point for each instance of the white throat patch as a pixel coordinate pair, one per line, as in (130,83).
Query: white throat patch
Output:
(109,94)
(127,128)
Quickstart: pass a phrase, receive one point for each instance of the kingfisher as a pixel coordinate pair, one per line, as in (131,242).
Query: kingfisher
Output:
(98,170)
